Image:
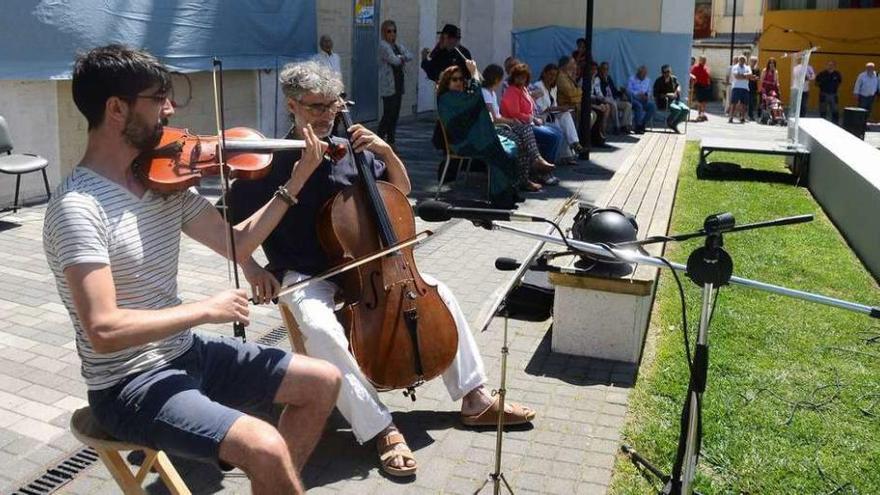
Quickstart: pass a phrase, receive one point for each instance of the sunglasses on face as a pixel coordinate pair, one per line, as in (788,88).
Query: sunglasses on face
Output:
(390,30)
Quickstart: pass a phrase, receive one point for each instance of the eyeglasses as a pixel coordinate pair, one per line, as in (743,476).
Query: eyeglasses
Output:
(161,98)
(321,108)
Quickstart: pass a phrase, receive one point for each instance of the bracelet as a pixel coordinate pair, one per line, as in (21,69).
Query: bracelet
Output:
(283,194)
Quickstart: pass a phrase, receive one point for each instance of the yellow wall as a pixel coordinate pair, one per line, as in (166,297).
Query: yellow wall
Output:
(836,24)
(749,22)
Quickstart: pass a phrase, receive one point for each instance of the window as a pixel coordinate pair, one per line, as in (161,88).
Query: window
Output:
(728,7)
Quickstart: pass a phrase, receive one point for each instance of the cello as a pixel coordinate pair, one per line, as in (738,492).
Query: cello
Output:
(400,331)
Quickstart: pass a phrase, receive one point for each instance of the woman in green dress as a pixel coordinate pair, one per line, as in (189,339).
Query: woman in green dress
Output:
(470,132)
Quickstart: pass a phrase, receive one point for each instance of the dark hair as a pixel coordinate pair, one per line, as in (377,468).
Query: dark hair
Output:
(114,70)
(563,61)
(445,78)
(492,74)
(519,70)
(580,40)
(664,67)
(547,68)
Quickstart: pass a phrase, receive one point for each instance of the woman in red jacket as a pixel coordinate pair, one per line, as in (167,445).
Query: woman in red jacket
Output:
(516,103)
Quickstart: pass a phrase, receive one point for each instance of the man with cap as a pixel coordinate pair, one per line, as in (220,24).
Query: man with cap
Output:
(866,87)
(446,53)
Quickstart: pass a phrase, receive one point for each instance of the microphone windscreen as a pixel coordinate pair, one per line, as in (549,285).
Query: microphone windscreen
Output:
(434,211)
(506,264)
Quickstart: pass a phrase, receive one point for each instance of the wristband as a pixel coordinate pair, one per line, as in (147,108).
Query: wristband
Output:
(283,194)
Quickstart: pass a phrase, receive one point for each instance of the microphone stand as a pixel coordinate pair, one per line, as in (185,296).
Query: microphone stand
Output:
(496,476)
(710,267)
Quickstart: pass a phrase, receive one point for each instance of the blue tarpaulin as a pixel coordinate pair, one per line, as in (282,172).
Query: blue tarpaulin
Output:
(40,39)
(623,49)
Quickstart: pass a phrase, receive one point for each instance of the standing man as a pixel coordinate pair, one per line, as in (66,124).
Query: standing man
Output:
(739,96)
(326,56)
(808,75)
(639,89)
(392,57)
(294,253)
(113,247)
(702,87)
(446,53)
(829,81)
(866,87)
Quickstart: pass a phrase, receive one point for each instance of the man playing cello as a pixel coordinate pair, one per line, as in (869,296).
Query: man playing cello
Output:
(294,253)
(113,248)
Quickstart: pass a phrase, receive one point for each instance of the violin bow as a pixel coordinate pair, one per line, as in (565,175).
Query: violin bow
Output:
(416,239)
(220,119)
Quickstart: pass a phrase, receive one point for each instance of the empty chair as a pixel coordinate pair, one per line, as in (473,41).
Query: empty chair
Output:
(19,164)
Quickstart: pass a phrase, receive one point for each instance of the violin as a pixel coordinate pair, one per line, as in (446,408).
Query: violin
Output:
(181,159)
(400,331)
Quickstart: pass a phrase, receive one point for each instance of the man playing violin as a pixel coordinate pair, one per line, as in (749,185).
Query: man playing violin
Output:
(113,248)
(294,253)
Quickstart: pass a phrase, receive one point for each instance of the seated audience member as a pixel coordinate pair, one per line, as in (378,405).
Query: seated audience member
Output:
(622,111)
(530,161)
(639,89)
(518,104)
(552,113)
(470,131)
(599,105)
(667,94)
(568,93)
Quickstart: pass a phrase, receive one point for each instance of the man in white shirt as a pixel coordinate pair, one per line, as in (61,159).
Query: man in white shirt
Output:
(739,96)
(866,87)
(807,74)
(326,56)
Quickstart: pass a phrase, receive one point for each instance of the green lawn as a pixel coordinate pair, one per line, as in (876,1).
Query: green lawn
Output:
(793,398)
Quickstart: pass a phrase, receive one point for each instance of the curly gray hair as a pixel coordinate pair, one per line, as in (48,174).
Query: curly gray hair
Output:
(299,79)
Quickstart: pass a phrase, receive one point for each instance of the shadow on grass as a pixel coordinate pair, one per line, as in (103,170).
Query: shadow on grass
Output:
(727,171)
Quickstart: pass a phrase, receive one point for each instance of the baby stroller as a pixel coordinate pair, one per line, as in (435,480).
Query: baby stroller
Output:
(772,111)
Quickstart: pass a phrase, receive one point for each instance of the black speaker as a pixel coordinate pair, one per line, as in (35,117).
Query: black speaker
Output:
(855,121)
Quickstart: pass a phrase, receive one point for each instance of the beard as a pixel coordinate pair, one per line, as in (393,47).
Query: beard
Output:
(141,135)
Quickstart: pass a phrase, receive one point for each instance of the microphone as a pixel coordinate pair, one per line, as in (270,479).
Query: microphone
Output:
(438,211)
(505,264)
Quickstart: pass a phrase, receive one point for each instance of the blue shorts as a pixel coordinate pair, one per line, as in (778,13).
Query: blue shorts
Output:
(187,407)
(739,95)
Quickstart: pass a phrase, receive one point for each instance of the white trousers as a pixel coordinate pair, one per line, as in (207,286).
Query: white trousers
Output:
(324,338)
(565,122)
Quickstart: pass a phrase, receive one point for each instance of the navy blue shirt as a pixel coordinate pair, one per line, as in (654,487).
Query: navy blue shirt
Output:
(293,245)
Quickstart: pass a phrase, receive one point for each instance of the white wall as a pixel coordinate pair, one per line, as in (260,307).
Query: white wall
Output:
(845,180)
(485,28)
(30,110)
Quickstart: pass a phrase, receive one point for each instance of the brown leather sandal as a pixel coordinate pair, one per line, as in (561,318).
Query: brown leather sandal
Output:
(387,452)
(489,417)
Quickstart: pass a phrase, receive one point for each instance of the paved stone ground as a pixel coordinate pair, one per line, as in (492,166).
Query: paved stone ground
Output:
(581,402)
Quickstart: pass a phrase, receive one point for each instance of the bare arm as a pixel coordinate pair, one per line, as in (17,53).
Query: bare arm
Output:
(209,228)
(110,328)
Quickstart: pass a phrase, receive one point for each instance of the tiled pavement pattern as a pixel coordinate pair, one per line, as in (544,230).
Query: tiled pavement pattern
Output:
(581,402)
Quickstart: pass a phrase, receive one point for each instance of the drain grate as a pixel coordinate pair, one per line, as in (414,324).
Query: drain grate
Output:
(58,476)
(274,336)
